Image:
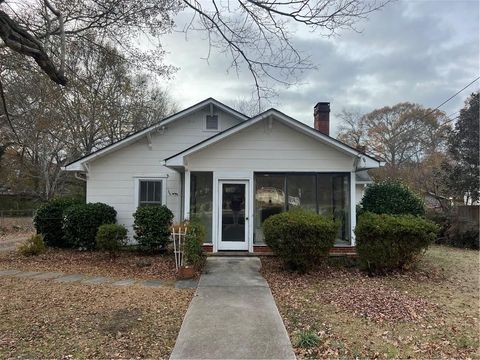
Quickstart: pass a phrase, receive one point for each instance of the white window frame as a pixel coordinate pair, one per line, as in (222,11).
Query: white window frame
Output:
(205,123)
(162,179)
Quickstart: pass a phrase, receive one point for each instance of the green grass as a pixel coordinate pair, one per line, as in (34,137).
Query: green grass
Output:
(307,339)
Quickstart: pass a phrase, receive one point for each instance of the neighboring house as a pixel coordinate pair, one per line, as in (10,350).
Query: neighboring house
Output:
(231,171)
(362,180)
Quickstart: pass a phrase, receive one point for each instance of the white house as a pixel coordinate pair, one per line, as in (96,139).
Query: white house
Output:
(231,171)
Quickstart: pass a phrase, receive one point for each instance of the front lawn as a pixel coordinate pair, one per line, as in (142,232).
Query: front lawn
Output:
(336,311)
(43,319)
(127,264)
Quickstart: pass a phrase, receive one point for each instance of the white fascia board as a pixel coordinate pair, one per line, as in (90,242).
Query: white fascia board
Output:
(76,166)
(128,140)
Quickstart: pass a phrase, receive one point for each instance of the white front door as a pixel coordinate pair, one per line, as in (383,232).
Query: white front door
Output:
(233,217)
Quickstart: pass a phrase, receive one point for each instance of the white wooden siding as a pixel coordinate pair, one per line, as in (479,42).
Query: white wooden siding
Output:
(264,148)
(111,178)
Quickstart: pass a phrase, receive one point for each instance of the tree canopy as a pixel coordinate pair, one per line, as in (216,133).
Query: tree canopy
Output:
(410,138)
(463,167)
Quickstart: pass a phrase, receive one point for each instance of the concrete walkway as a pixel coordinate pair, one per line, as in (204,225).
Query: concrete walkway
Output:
(233,315)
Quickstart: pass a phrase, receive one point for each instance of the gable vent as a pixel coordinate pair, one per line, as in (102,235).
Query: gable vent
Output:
(211,122)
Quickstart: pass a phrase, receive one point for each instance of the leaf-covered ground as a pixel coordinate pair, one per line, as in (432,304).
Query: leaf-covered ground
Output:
(43,319)
(127,264)
(430,312)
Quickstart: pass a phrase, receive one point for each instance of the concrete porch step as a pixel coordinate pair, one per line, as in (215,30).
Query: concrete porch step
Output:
(224,253)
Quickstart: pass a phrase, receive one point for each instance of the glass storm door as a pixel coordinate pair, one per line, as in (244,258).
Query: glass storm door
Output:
(233,215)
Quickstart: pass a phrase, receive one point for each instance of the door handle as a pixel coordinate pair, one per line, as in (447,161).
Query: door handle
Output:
(246,217)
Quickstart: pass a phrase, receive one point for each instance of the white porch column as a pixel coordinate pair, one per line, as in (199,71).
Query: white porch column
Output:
(353,207)
(186,199)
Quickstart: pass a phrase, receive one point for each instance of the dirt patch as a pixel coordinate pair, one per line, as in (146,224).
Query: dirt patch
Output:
(121,321)
(11,240)
(127,264)
(43,319)
(15,224)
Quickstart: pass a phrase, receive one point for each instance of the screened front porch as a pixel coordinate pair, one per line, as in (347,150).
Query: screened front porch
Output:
(328,194)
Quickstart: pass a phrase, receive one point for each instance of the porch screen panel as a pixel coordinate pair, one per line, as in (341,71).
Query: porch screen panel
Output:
(269,200)
(341,206)
(302,191)
(201,199)
(333,192)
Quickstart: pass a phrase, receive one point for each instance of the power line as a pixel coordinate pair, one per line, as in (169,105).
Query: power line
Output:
(451,97)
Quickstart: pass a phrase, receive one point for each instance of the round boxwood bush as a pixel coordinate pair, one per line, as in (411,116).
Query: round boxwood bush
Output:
(392,197)
(152,227)
(48,221)
(111,238)
(300,237)
(81,223)
(391,242)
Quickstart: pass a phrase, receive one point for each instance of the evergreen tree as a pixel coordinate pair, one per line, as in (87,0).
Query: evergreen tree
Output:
(463,170)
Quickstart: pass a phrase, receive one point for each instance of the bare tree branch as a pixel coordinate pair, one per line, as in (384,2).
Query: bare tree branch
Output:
(26,44)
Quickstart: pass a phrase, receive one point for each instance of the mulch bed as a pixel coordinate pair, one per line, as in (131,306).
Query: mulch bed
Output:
(127,264)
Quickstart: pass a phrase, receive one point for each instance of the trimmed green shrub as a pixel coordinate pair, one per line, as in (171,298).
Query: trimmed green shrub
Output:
(48,221)
(300,237)
(392,197)
(34,245)
(392,242)
(81,223)
(152,227)
(111,238)
(194,240)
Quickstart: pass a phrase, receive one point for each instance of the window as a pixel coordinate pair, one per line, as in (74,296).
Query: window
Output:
(150,192)
(211,122)
(201,198)
(302,191)
(269,200)
(325,193)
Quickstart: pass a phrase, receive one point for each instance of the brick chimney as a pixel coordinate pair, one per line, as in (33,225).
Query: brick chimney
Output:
(321,116)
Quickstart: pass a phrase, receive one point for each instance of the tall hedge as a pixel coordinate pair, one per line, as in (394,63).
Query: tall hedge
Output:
(81,223)
(301,238)
(392,197)
(152,227)
(48,221)
(391,242)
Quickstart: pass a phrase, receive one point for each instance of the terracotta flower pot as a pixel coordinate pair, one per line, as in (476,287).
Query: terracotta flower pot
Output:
(186,272)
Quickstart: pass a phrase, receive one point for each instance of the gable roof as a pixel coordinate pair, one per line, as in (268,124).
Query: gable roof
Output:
(77,165)
(367,160)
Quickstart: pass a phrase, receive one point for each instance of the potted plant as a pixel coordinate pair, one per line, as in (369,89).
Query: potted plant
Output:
(193,257)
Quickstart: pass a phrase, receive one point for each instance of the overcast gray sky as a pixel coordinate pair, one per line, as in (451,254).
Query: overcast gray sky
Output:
(417,51)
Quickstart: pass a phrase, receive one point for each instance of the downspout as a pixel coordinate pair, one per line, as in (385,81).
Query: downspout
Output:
(77,176)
